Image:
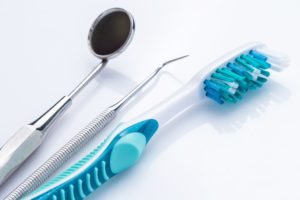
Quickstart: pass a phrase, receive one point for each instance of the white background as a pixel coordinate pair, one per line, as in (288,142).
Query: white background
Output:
(247,151)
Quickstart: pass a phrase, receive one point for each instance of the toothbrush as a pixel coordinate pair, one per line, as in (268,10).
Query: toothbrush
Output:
(226,80)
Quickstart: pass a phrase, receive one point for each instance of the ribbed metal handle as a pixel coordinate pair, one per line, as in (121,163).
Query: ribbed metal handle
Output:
(62,155)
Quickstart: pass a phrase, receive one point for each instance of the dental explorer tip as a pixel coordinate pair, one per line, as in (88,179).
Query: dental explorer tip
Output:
(173,60)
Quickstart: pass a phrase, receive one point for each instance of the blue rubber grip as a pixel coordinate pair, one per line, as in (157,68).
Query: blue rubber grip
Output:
(81,179)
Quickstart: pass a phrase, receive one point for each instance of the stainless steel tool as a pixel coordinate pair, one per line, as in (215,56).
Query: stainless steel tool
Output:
(37,178)
(109,35)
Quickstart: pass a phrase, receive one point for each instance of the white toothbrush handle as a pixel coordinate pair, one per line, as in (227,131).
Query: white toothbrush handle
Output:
(121,150)
(166,110)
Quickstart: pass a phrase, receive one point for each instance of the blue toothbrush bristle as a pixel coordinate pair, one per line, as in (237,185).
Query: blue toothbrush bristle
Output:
(231,81)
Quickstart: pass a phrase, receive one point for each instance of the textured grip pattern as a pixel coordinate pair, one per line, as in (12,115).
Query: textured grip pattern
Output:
(62,155)
(121,153)
(82,184)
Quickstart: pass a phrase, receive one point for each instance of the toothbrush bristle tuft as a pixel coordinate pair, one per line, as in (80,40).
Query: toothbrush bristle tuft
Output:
(248,71)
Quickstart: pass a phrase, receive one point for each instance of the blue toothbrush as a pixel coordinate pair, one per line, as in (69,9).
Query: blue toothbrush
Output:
(226,80)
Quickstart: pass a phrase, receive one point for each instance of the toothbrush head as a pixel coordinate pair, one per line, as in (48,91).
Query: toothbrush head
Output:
(246,69)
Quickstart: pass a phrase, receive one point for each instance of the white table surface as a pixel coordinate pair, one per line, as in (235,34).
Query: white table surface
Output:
(248,151)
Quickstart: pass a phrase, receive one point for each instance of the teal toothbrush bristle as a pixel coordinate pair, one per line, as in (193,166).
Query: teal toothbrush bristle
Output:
(231,81)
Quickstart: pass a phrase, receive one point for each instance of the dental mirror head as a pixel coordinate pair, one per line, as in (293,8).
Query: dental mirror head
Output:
(111,33)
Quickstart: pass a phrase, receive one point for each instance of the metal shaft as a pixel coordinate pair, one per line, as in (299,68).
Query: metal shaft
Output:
(120,103)
(88,79)
(49,117)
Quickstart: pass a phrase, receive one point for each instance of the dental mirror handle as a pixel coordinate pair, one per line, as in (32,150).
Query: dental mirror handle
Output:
(27,139)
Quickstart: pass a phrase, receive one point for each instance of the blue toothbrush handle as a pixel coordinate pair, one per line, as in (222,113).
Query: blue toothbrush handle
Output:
(116,154)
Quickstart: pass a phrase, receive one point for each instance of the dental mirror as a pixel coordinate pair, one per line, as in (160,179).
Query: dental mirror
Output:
(109,35)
